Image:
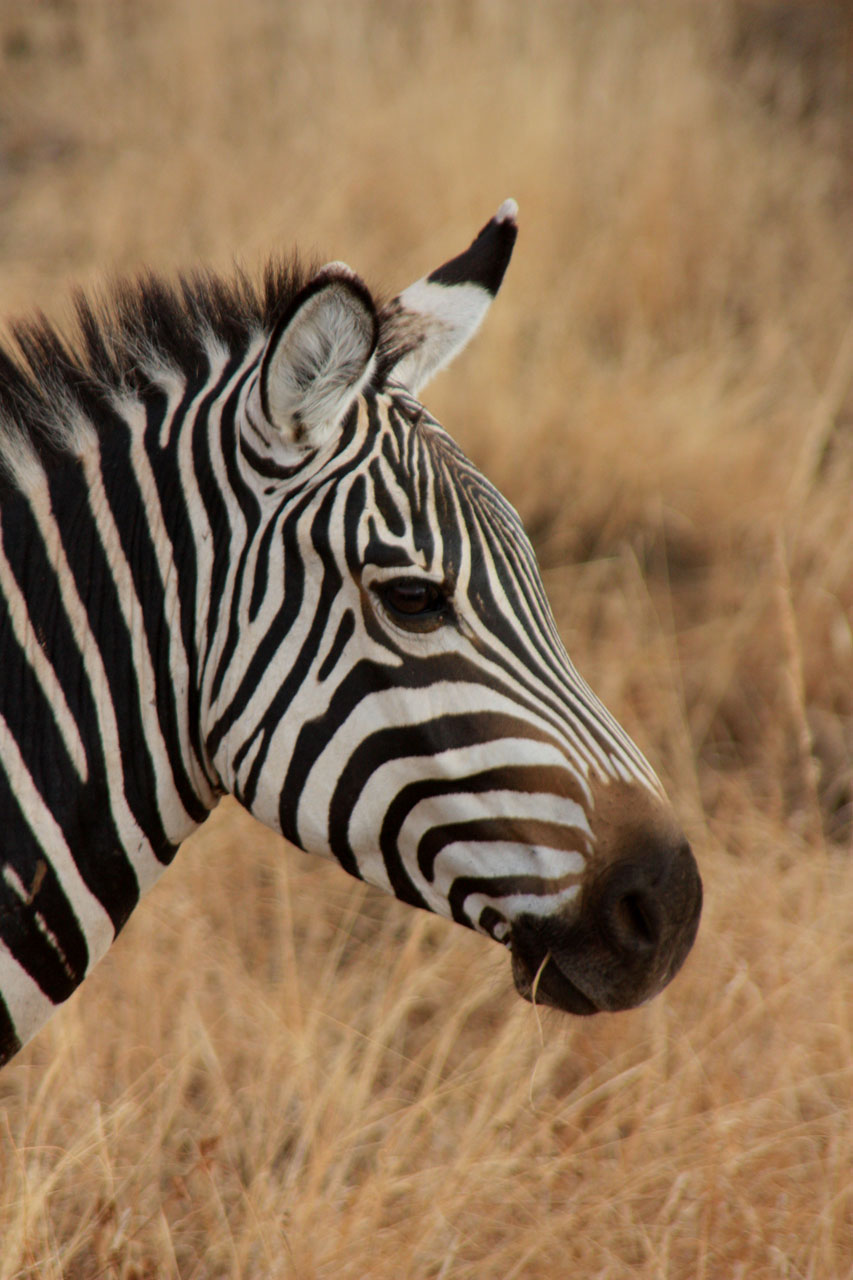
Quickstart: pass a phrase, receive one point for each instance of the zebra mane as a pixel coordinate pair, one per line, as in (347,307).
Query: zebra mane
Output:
(57,385)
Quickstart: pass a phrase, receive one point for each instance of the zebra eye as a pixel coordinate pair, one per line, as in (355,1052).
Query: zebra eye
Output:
(414,601)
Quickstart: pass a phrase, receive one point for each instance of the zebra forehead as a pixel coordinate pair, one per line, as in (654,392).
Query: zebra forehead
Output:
(436,477)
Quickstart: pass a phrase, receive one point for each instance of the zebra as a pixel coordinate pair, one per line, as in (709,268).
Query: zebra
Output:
(238,555)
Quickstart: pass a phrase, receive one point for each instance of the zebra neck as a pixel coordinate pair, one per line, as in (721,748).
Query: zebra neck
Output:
(97,714)
(101,774)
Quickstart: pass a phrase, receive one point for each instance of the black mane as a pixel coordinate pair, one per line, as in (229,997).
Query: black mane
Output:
(48,377)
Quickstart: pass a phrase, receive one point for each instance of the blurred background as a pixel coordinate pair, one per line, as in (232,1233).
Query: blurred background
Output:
(277,1072)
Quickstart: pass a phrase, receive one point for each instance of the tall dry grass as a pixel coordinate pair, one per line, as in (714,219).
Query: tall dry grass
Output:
(279,1073)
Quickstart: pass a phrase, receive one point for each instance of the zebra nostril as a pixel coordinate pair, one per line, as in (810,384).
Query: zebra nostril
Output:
(629,913)
(632,923)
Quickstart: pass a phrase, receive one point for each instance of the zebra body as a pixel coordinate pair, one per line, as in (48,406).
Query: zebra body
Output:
(238,555)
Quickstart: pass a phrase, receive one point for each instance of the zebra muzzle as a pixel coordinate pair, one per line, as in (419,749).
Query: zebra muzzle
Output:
(627,939)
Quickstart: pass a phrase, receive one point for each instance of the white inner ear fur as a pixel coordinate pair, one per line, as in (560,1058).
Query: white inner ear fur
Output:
(319,363)
(446,317)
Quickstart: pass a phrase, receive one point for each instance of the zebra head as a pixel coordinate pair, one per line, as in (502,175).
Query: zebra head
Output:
(399,698)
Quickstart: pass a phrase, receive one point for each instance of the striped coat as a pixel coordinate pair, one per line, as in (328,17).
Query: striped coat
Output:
(237,554)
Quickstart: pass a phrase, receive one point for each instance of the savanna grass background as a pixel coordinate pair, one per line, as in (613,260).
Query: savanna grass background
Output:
(278,1072)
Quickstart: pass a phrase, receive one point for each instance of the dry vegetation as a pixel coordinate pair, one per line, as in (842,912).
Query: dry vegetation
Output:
(278,1073)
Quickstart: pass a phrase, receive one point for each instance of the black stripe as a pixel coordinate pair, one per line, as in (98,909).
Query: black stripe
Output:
(344,634)
(129,511)
(523,778)
(215,506)
(522,831)
(29,716)
(260,586)
(56,968)
(395,742)
(384,503)
(223,550)
(484,262)
(82,812)
(267,466)
(173,504)
(502,887)
(298,668)
(90,570)
(559,700)
(9,1042)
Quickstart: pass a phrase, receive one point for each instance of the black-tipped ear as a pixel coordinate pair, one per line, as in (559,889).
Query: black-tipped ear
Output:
(319,356)
(436,317)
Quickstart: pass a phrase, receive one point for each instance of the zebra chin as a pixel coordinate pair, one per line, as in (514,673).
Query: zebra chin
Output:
(621,944)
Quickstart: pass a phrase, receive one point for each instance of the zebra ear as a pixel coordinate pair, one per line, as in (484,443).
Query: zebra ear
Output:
(437,316)
(319,356)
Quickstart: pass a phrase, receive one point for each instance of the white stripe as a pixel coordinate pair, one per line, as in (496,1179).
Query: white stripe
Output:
(518,904)
(42,669)
(133,840)
(458,762)
(177,823)
(513,807)
(161,542)
(383,708)
(195,505)
(504,860)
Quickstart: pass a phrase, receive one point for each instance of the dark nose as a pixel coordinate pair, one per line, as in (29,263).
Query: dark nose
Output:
(636,921)
(647,905)
(645,910)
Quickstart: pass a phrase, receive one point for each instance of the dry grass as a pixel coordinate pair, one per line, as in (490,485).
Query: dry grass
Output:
(278,1073)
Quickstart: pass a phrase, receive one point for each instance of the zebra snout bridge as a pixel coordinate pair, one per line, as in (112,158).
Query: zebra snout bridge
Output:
(238,555)
(626,938)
